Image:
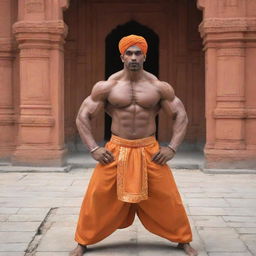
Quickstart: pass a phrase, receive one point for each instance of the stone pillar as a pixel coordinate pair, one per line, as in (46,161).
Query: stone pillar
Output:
(40,33)
(228,35)
(7,112)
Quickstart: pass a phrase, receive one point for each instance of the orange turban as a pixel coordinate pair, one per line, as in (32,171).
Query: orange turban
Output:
(132,40)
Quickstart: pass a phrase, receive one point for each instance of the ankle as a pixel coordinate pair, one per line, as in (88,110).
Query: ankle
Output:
(83,246)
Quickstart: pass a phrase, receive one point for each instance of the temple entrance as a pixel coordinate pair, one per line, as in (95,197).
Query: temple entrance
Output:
(175,55)
(114,64)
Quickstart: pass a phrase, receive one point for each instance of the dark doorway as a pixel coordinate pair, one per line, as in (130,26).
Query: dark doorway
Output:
(113,62)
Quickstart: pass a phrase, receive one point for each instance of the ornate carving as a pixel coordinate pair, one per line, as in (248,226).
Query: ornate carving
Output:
(229,113)
(233,113)
(200,4)
(36,121)
(7,47)
(34,53)
(215,25)
(34,6)
(251,113)
(51,27)
(64,4)
(231,52)
(7,119)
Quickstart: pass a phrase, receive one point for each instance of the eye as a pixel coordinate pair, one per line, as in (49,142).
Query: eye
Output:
(129,53)
(138,53)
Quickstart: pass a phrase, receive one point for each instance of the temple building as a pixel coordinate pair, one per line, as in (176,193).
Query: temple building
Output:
(52,52)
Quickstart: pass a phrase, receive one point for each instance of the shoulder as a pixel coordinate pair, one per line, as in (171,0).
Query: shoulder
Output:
(166,90)
(101,89)
(149,76)
(116,76)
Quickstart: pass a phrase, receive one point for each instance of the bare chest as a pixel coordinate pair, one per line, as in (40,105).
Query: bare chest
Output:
(124,95)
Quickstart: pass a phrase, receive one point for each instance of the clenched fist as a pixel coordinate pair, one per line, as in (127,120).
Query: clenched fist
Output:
(103,156)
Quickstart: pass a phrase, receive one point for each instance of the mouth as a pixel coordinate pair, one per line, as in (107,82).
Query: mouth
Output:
(134,64)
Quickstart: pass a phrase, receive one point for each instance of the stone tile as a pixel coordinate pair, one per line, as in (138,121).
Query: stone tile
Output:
(26,218)
(239,219)
(33,211)
(239,211)
(194,195)
(11,253)
(68,211)
(221,240)
(241,224)
(35,188)
(58,239)
(250,241)
(210,221)
(72,202)
(6,210)
(64,218)
(32,202)
(51,254)
(248,203)
(157,248)
(230,254)
(246,230)
(13,247)
(16,237)
(191,189)
(3,217)
(19,226)
(206,211)
(241,195)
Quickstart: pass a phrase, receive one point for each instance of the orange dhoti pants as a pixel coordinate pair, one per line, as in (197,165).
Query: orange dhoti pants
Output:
(132,184)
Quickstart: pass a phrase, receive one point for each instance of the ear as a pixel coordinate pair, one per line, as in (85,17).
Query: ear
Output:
(122,57)
(145,56)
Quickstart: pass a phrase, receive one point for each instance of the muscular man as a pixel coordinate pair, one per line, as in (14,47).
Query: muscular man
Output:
(132,176)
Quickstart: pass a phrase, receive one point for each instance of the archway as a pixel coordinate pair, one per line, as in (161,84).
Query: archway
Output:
(112,59)
(92,43)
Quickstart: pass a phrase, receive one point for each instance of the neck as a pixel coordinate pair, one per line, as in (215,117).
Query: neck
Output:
(133,75)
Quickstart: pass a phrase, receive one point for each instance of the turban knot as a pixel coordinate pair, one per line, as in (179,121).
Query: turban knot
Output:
(133,40)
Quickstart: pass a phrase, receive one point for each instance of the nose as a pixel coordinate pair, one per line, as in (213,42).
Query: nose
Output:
(134,57)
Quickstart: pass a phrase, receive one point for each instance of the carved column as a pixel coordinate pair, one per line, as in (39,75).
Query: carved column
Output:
(40,34)
(7,112)
(226,45)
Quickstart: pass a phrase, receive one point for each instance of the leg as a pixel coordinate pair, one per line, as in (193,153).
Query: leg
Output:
(101,212)
(188,249)
(163,213)
(78,251)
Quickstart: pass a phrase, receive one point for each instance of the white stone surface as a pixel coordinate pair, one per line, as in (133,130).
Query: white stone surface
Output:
(221,210)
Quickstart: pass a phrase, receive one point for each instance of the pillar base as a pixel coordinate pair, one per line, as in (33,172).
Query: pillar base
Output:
(39,157)
(230,159)
(6,152)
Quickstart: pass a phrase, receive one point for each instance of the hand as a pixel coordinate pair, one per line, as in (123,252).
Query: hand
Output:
(163,155)
(103,155)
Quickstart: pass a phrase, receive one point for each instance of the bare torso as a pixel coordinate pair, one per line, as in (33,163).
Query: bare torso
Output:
(133,105)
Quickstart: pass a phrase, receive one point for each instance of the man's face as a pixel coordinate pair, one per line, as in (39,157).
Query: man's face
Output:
(133,58)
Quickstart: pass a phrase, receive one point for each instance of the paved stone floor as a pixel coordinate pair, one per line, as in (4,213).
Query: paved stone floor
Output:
(38,214)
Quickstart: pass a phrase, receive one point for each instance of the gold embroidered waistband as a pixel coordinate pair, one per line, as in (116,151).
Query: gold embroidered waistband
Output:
(144,142)
(132,176)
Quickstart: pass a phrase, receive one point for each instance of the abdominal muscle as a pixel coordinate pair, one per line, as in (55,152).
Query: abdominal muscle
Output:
(133,122)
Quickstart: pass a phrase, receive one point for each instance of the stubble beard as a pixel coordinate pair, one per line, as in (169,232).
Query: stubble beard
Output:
(134,67)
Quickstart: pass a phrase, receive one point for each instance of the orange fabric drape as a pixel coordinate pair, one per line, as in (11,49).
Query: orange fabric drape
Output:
(129,185)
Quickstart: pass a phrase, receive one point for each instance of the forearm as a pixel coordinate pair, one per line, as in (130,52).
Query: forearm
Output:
(179,130)
(85,131)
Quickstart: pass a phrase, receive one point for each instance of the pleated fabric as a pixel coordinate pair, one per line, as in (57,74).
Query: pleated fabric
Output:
(132,184)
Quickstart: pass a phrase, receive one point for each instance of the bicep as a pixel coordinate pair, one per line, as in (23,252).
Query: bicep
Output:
(173,106)
(90,108)
(94,102)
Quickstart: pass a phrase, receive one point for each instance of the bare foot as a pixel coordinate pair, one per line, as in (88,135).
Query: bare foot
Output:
(188,249)
(78,251)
